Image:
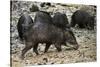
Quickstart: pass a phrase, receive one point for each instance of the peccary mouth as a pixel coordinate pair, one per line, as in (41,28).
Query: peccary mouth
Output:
(72,46)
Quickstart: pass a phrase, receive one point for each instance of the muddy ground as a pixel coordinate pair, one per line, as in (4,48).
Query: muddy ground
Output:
(85,38)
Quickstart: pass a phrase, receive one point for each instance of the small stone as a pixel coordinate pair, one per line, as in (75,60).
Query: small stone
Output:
(15,60)
(39,64)
(45,59)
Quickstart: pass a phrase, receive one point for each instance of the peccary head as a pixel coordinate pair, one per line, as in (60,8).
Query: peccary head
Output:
(91,21)
(70,39)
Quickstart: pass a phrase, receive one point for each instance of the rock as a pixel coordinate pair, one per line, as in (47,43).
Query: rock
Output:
(45,59)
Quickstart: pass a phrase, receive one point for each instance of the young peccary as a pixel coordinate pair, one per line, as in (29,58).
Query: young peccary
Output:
(44,32)
(83,19)
(23,24)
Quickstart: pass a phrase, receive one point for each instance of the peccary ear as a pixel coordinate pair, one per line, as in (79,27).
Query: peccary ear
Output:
(68,25)
(68,29)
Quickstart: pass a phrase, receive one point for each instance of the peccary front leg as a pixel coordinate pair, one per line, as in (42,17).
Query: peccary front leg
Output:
(73,23)
(47,47)
(58,46)
(27,47)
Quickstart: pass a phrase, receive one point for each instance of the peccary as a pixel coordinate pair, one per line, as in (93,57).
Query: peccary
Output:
(23,24)
(43,17)
(60,20)
(43,31)
(83,19)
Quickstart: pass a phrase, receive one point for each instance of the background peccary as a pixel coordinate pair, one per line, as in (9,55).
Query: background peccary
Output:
(43,17)
(83,19)
(44,32)
(23,24)
(60,20)
(34,8)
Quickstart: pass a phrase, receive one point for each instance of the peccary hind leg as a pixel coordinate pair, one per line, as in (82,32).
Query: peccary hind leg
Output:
(27,47)
(35,48)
